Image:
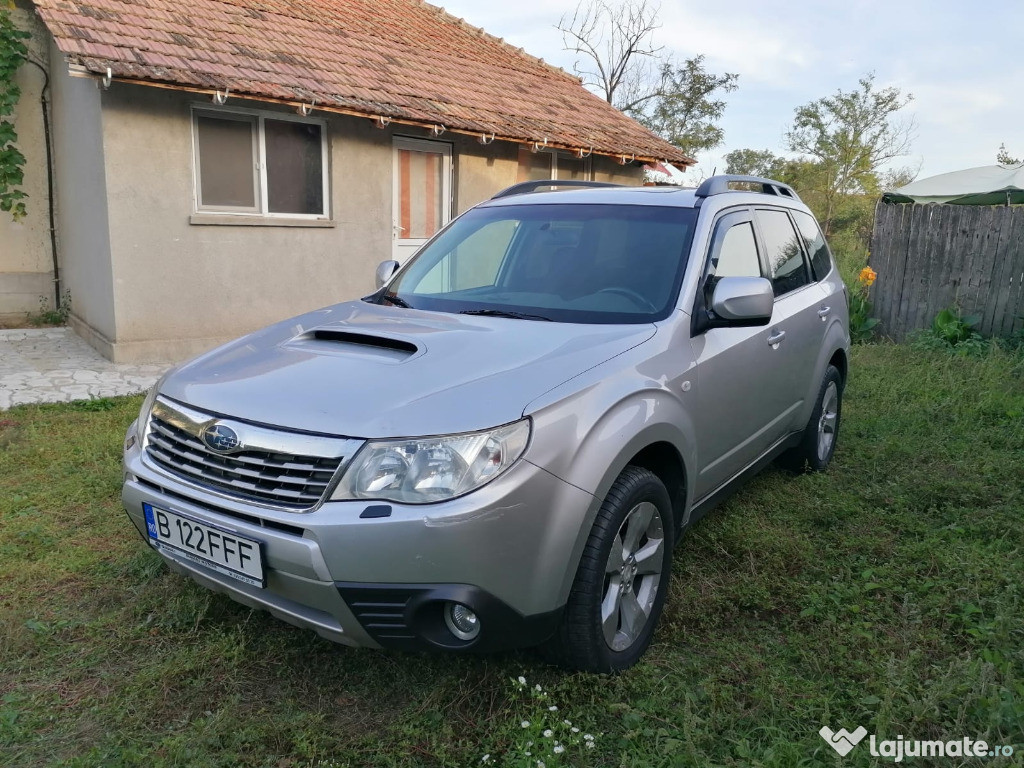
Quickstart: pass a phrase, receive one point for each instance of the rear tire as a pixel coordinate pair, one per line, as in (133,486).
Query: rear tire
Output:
(818,443)
(622,579)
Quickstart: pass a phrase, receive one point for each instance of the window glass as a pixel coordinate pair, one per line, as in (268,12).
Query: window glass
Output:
(226,161)
(566,263)
(473,263)
(785,257)
(295,182)
(420,193)
(572,168)
(534,166)
(735,257)
(814,243)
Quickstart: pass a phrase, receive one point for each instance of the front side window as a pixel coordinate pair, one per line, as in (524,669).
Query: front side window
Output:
(567,263)
(262,164)
(785,256)
(734,256)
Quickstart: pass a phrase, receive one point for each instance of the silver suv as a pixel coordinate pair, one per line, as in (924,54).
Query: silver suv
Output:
(502,445)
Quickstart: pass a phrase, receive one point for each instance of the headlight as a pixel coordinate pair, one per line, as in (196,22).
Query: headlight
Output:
(423,470)
(147,407)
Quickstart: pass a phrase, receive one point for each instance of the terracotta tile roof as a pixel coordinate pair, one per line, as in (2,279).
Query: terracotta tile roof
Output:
(402,59)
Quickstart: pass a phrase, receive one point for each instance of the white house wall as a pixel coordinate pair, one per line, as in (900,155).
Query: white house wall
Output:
(149,282)
(80,188)
(26,261)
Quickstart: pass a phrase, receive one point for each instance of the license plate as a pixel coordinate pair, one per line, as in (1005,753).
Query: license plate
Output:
(224,551)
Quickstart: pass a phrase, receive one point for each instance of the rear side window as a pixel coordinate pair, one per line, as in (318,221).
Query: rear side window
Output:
(817,249)
(785,256)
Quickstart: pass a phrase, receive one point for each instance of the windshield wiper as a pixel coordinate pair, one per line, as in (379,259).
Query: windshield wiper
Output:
(392,298)
(503,313)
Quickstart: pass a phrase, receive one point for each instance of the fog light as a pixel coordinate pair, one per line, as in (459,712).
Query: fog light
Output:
(461,621)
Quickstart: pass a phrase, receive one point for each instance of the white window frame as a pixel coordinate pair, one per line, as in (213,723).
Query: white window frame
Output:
(257,117)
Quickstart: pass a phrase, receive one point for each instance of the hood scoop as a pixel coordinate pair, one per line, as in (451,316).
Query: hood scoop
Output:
(332,341)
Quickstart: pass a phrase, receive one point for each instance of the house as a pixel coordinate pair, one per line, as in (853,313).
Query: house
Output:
(218,165)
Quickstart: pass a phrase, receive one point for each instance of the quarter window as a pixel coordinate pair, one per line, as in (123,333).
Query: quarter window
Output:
(260,164)
(785,256)
(814,243)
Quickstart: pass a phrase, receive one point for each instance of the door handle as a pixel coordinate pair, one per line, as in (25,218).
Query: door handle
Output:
(824,312)
(776,338)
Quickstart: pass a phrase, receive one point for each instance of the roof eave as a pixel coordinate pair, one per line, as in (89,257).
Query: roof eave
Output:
(381,116)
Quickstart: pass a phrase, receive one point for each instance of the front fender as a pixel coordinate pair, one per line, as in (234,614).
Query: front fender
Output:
(590,436)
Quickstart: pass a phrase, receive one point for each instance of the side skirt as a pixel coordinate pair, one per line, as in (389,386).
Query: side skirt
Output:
(729,487)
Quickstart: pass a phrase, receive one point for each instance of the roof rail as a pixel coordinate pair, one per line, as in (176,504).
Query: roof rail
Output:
(716,185)
(525,187)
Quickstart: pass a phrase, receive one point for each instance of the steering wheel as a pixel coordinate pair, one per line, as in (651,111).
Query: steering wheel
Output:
(629,293)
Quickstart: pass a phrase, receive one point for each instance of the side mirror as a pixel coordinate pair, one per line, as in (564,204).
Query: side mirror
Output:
(743,301)
(384,272)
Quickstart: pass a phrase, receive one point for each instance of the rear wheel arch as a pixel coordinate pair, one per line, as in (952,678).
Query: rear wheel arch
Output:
(841,362)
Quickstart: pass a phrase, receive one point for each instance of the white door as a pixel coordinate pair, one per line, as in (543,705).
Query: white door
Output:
(422,185)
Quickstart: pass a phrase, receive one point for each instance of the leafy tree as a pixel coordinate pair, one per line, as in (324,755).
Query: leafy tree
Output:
(684,109)
(754,162)
(12,54)
(678,100)
(1005,158)
(851,136)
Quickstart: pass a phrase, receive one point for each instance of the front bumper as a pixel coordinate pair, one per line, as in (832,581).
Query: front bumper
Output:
(509,551)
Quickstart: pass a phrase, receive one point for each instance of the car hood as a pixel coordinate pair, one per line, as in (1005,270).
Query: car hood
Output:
(370,371)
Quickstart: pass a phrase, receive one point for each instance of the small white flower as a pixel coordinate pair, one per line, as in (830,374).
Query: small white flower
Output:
(590,745)
(529,743)
(485,759)
(537,687)
(559,749)
(540,764)
(552,708)
(525,723)
(567,723)
(526,753)
(522,680)
(588,737)
(575,729)
(548,733)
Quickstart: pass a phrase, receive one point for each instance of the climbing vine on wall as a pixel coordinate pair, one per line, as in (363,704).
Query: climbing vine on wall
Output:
(12,162)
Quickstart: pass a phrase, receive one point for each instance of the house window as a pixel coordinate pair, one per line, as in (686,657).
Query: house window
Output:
(255,163)
(551,164)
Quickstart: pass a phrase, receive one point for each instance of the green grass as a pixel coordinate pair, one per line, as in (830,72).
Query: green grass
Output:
(887,592)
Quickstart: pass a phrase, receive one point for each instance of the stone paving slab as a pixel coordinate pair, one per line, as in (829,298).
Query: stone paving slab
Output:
(53,365)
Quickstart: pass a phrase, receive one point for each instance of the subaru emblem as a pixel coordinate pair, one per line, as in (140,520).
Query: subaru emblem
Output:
(221,438)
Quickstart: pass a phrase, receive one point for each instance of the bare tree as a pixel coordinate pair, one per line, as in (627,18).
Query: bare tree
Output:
(618,59)
(617,55)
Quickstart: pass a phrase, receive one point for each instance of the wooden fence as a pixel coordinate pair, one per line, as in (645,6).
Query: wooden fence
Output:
(930,257)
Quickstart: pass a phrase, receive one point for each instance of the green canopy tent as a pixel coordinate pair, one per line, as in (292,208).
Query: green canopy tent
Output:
(987,185)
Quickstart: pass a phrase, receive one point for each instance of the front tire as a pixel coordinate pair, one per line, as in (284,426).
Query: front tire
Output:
(622,580)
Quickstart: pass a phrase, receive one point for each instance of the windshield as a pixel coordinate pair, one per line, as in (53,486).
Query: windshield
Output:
(567,263)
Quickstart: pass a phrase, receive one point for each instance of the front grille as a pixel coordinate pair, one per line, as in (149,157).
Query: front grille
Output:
(271,477)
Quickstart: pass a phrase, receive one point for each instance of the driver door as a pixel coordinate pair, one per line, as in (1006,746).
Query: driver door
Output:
(743,389)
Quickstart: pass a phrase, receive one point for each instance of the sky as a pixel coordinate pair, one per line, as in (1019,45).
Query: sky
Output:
(960,60)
